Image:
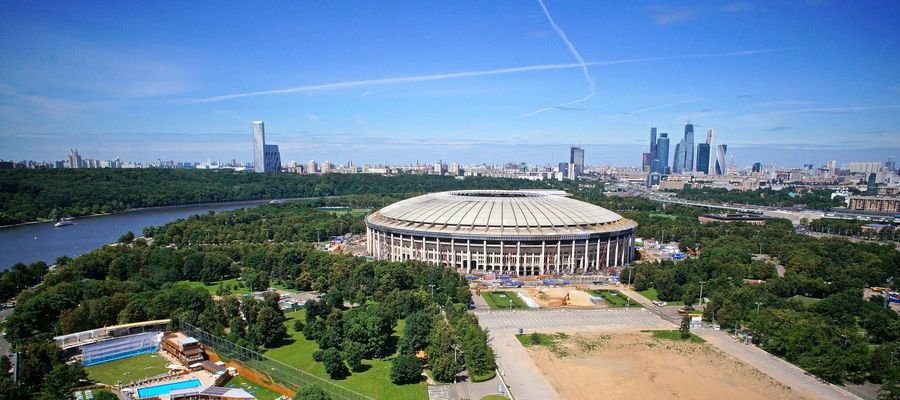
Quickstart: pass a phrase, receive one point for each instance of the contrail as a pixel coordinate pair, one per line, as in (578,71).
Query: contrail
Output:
(592,86)
(648,109)
(468,74)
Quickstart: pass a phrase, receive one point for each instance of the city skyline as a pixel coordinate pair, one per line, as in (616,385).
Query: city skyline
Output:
(134,83)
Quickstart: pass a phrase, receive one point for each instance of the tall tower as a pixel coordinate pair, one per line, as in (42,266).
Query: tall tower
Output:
(662,152)
(652,144)
(687,162)
(709,135)
(576,159)
(259,146)
(703,157)
(678,162)
(721,167)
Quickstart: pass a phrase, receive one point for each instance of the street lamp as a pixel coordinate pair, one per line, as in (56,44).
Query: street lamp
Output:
(757,306)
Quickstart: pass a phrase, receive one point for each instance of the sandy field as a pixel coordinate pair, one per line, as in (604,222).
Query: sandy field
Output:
(637,366)
(553,297)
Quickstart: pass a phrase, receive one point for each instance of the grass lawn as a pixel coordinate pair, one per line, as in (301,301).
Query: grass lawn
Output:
(615,298)
(374,380)
(355,212)
(500,299)
(260,392)
(675,335)
(807,301)
(652,295)
(212,288)
(494,397)
(127,369)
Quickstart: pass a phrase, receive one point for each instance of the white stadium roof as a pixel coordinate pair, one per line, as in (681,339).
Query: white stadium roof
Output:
(498,212)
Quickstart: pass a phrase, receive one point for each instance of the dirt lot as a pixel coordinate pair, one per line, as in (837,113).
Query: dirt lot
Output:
(553,297)
(635,365)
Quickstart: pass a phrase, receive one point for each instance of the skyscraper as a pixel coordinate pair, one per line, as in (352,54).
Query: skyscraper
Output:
(678,163)
(687,161)
(576,159)
(75,159)
(703,158)
(662,152)
(259,146)
(720,159)
(652,144)
(272,158)
(757,167)
(709,135)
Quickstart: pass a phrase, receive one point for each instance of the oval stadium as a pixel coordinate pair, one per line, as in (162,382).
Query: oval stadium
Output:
(522,232)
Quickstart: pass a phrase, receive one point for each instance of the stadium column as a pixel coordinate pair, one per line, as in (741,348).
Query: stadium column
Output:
(484,255)
(453,252)
(424,250)
(468,256)
(501,257)
(617,249)
(585,258)
(572,259)
(597,263)
(608,241)
(558,255)
(518,256)
(368,241)
(543,255)
(400,249)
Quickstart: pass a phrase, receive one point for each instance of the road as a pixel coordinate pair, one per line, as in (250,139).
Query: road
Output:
(4,345)
(775,367)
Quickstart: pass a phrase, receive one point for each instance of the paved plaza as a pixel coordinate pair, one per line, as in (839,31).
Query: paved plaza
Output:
(569,320)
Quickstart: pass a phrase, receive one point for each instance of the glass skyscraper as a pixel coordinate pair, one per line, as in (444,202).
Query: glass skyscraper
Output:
(721,168)
(576,158)
(662,152)
(703,158)
(687,146)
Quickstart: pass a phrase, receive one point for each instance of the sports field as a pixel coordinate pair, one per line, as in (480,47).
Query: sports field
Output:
(373,381)
(652,295)
(502,300)
(127,369)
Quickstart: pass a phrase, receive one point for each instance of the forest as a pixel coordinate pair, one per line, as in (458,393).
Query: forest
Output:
(38,194)
(814,315)
(147,278)
(818,199)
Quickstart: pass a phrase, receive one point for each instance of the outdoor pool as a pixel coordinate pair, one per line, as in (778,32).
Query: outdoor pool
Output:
(153,391)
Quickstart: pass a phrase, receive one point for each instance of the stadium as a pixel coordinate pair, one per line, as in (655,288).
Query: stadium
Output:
(522,232)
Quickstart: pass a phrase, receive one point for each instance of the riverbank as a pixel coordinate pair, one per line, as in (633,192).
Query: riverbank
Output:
(138,209)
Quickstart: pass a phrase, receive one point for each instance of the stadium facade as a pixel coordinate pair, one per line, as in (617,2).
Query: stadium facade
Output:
(524,232)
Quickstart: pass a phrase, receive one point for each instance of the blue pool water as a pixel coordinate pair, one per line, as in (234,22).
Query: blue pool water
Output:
(152,391)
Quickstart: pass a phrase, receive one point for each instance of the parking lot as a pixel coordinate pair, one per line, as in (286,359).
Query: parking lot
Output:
(569,319)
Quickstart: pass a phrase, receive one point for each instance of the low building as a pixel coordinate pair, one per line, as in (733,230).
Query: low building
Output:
(728,218)
(875,203)
(184,348)
(210,393)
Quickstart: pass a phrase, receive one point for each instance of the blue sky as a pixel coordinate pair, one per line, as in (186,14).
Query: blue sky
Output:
(471,81)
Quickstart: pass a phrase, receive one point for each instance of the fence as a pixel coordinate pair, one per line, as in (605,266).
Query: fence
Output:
(274,370)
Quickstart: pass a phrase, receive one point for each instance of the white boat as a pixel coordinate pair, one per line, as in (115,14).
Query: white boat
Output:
(63,223)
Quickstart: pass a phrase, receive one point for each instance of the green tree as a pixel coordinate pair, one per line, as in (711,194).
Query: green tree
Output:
(269,327)
(354,352)
(334,364)
(59,382)
(406,368)
(442,360)
(685,328)
(127,238)
(312,392)
(415,332)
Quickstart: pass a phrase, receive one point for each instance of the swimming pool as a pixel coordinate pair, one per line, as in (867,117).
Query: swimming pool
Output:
(153,391)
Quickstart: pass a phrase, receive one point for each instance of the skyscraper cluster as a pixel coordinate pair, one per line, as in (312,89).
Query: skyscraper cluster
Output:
(684,159)
(266,157)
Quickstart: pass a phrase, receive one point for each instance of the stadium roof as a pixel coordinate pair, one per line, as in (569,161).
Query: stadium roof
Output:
(503,212)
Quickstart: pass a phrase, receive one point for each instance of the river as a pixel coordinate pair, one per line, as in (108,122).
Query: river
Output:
(44,242)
